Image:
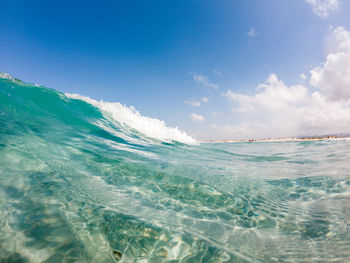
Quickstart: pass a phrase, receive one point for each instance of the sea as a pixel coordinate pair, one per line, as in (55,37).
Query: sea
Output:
(83,180)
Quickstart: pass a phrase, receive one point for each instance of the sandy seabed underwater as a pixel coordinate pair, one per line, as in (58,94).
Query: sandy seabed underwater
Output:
(89,181)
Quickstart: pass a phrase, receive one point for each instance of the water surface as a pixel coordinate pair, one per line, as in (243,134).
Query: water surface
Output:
(80,183)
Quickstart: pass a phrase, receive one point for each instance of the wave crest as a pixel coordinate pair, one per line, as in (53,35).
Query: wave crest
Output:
(130,117)
(5,76)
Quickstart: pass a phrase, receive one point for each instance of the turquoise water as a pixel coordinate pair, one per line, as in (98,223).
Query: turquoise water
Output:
(88,181)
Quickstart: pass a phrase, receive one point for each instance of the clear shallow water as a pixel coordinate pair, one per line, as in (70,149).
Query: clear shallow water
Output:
(77,184)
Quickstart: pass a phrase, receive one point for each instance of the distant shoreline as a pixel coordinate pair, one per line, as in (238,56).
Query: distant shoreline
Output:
(287,139)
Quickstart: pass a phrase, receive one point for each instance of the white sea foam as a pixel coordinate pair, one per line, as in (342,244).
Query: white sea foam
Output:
(5,76)
(130,117)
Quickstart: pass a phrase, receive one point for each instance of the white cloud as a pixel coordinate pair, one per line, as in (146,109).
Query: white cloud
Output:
(218,73)
(196,103)
(196,117)
(278,110)
(303,76)
(202,79)
(333,76)
(193,103)
(217,114)
(323,8)
(274,94)
(252,32)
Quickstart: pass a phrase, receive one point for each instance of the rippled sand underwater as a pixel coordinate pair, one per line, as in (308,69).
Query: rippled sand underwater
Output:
(78,185)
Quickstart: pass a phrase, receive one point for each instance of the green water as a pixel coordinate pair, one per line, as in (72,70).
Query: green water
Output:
(78,184)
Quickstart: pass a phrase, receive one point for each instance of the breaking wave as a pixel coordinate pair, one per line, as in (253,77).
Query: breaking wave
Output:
(91,181)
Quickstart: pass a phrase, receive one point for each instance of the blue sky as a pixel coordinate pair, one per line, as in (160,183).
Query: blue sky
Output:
(178,60)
